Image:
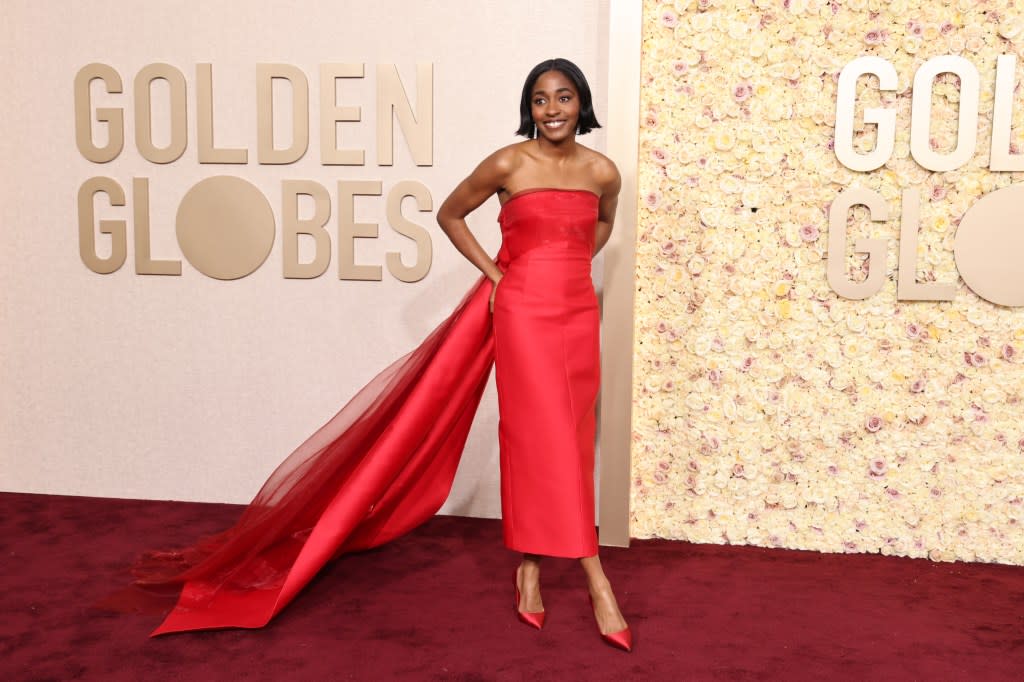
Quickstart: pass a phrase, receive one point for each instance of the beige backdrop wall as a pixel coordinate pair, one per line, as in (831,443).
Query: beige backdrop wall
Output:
(769,410)
(194,388)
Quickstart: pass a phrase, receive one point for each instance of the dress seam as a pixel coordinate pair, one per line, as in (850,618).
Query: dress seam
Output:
(580,496)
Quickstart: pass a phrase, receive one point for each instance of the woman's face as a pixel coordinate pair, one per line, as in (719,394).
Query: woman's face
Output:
(555,106)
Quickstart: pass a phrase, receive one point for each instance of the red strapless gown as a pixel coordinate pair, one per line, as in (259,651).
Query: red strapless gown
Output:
(547,361)
(385,463)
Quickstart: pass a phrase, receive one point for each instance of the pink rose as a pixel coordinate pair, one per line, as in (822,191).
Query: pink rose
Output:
(873,423)
(809,233)
(873,37)
(669,18)
(659,155)
(652,200)
(742,92)
(680,68)
(1008,352)
(975,359)
(877,468)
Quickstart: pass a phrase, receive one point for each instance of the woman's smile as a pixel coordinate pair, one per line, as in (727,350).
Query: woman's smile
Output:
(556,106)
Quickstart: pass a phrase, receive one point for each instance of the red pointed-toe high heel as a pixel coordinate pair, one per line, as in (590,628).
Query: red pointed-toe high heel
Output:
(535,619)
(623,639)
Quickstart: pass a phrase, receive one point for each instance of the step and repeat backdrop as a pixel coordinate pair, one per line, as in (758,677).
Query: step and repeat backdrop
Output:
(828,324)
(220,223)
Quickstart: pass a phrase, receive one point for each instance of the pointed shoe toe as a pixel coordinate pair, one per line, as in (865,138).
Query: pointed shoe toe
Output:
(623,639)
(535,619)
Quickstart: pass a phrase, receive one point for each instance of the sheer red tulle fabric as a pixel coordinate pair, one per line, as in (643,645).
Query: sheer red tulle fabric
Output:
(383,465)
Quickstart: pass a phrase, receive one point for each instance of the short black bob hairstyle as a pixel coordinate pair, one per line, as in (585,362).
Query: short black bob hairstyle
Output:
(587,120)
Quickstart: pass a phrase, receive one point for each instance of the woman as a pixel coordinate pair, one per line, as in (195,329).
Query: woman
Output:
(385,463)
(558,203)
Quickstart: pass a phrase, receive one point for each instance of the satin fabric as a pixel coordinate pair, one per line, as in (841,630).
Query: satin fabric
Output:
(385,463)
(382,466)
(547,359)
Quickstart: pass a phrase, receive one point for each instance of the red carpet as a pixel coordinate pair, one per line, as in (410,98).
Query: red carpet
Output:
(436,605)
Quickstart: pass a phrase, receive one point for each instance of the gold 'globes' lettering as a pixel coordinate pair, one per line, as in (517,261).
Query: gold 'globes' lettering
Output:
(145,264)
(987,249)
(224,225)
(314,227)
(231,204)
(907,286)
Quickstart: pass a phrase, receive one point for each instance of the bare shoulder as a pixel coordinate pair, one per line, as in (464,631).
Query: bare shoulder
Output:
(604,171)
(507,159)
(494,171)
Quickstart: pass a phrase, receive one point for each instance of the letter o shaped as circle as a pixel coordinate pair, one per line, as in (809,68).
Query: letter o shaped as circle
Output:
(225,227)
(989,247)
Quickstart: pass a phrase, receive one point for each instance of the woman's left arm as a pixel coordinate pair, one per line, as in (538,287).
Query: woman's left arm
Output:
(611,183)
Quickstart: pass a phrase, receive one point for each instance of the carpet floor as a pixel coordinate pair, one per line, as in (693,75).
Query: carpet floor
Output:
(437,605)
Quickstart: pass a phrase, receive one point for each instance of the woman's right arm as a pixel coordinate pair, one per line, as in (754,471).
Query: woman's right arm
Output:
(487,179)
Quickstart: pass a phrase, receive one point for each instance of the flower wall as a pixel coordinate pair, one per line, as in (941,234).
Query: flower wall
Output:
(769,410)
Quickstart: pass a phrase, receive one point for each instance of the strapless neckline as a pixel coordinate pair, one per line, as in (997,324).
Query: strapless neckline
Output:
(534,190)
